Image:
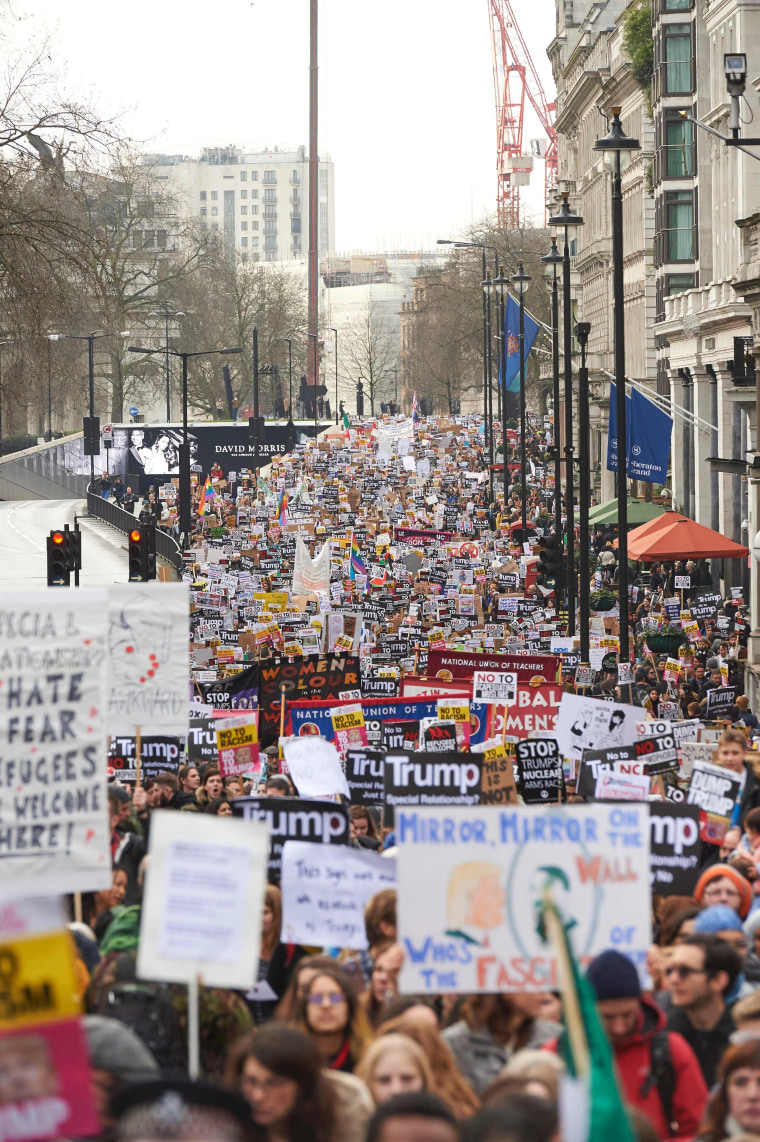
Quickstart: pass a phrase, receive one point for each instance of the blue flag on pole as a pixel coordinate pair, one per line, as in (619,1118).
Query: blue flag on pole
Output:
(512,341)
(648,432)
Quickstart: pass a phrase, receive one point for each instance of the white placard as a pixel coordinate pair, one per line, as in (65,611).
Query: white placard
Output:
(315,767)
(471,880)
(589,723)
(54,833)
(148,649)
(494,686)
(324,892)
(204,896)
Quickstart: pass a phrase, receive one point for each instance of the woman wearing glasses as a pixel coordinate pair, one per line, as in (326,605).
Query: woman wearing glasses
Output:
(330,1014)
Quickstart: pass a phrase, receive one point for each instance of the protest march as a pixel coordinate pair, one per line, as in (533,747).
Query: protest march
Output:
(338,837)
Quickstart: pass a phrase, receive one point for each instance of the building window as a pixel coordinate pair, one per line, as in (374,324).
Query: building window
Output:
(149,238)
(679,225)
(677,55)
(254,210)
(270,226)
(270,242)
(243,209)
(679,146)
(295,226)
(203,212)
(243,225)
(270,196)
(270,176)
(677,283)
(214,225)
(254,176)
(270,210)
(243,241)
(214,196)
(243,193)
(203,196)
(137,239)
(676,5)
(254,241)
(214,211)
(161,239)
(244,176)
(254,226)
(254,194)
(295,178)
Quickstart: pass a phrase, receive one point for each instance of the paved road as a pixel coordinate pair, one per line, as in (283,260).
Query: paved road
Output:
(24,527)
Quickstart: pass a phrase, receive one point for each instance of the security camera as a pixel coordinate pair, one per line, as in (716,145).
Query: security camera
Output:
(735,71)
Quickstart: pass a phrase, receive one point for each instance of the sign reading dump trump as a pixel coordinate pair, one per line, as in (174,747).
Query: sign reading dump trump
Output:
(471,882)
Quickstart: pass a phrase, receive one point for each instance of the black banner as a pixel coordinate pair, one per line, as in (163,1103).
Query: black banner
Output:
(720,701)
(365,774)
(239,692)
(311,678)
(294,819)
(675,848)
(201,741)
(443,779)
(399,734)
(621,759)
(540,778)
(157,755)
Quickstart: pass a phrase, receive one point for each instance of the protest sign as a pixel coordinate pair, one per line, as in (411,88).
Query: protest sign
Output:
(613,786)
(201,739)
(622,759)
(238,745)
(419,779)
(325,890)
(439,736)
(315,717)
(659,752)
(348,726)
(315,767)
(675,848)
(322,678)
(498,787)
(535,709)
(448,665)
(201,913)
(585,723)
(294,819)
(471,881)
(53,807)
(540,778)
(715,790)
(494,686)
(399,734)
(238,692)
(719,702)
(365,775)
(685,731)
(148,658)
(157,755)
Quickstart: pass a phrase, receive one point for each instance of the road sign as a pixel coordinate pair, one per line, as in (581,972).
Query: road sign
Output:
(106,432)
(134,411)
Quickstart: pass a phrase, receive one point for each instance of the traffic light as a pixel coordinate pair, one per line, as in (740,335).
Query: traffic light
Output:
(91,434)
(142,554)
(549,562)
(58,574)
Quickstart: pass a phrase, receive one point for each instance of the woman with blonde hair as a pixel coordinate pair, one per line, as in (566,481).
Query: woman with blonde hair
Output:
(448,1084)
(394,1064)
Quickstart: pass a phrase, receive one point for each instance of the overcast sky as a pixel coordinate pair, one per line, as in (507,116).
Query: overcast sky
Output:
(406,93)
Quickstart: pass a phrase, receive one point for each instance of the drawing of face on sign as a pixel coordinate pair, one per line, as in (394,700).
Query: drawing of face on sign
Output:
(138,642)
(476,901)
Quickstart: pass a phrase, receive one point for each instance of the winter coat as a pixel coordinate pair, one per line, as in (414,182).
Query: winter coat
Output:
(633,1059)
(480,1057)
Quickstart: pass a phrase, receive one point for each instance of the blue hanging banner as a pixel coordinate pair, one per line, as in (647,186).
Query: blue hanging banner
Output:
(649,440)
(648,432)
(512,342)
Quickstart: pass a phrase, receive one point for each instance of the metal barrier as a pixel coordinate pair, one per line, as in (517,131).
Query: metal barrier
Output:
(111,513)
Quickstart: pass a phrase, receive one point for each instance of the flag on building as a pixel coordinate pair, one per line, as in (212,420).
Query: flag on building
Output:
(512,343)
(358,566)
(208,495)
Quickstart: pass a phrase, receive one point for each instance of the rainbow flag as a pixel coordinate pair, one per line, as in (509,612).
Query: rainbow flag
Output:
(357,563)
(282,508)
(208,495)
(415,411)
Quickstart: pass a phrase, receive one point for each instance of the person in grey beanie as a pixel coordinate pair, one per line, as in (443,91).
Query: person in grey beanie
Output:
(118,1059)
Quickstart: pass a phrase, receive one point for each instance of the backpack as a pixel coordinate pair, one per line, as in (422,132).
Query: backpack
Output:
(662,1074)
(148,1012)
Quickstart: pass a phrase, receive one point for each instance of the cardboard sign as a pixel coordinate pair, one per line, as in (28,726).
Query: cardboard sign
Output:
(325,889)
(294,819)
(675,848)
(540,777)
(238,746)
(53,808)
(715,791)
(201,913)
(498,777)
(471,880)
(365,775)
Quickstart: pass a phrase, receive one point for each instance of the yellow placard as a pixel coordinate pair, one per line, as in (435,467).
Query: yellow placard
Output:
(235,736)
(344,642)
(351,720)
(451,713)
(38,982)
(494,752)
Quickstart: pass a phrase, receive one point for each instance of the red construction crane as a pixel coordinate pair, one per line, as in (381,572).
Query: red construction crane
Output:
(514,77)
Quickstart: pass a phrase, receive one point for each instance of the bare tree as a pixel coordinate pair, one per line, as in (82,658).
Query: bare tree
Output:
(443,360)
(369,350)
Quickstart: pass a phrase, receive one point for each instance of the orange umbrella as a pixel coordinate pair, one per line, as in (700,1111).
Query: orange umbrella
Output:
(674,536)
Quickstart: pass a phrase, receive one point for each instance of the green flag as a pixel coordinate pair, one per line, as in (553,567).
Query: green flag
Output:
(346,423)
(591,1105)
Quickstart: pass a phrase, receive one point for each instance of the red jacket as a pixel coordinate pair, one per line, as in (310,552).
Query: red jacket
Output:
(634,1065)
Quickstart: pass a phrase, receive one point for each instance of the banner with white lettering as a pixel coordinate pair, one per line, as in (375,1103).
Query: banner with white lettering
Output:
(294,819)
(715,790)
(675,848)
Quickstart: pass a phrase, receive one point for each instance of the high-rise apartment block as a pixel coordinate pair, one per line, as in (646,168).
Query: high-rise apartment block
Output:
(258,200)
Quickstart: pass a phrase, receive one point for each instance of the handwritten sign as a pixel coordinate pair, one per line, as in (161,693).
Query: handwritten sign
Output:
(325,890)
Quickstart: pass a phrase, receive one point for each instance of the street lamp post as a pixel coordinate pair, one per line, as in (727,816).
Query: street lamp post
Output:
(553,259)
(582,331)
(569,220)
(256,405)
(501,289)
(487,291)
(290,375)
(167,316)
(185,515)
(315,338)
(90,338)
(619,146)
(335,331)
(521,281)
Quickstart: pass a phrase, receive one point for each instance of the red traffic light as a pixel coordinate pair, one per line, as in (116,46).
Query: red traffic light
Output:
(135,536)
(57,537)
